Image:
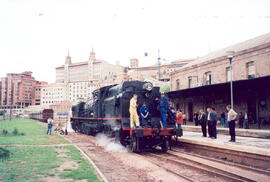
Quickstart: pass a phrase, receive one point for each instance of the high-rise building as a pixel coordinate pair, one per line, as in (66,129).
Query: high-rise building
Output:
(19,89)
(38,87)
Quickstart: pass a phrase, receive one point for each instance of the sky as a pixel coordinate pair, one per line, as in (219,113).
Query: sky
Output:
(36,35)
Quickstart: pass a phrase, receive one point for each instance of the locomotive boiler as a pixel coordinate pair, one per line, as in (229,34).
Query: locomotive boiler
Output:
(108,113)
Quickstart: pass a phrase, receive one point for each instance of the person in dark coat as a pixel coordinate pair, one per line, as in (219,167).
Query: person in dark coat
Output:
(241,119)
(203,122)
(215,123)
(246,124)
(171,115)
(145,116)
(223,119)
(196,118)
(211,120)
(163,108)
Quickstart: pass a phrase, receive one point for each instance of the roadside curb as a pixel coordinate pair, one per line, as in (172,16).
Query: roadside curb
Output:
(100,174)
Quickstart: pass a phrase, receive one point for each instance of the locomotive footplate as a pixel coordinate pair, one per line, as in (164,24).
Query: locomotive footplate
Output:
(141,132)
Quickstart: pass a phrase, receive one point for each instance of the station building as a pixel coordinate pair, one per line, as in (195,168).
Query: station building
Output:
(206,81)
(142,73)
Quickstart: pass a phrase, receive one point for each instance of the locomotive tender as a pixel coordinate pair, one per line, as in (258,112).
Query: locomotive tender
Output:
(109,113)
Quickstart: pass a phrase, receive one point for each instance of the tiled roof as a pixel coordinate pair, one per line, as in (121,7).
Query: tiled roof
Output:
(248,44)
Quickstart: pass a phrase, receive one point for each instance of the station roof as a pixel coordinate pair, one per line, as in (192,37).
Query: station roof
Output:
(254,84)
(245,45)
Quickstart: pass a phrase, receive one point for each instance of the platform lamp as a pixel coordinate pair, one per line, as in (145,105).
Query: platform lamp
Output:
(230,55)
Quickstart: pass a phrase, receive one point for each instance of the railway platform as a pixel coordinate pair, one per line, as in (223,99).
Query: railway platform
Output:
(256,133)
(243,144)
(248,151)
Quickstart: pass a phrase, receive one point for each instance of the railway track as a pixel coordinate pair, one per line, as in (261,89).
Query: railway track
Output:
(197,168)
(228,163)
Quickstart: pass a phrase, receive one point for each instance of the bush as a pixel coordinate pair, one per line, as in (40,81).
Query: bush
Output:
(22,134)
(15,131)
(4,132)
(4,154)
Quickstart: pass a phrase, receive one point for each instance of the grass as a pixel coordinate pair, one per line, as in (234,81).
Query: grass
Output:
(83,172)
(34,163)
(34,133)
(30,164)
(26,163)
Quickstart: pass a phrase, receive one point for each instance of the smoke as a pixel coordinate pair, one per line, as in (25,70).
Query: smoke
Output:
(109,144)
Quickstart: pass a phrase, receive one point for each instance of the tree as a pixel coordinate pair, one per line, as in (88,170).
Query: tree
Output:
(165,88)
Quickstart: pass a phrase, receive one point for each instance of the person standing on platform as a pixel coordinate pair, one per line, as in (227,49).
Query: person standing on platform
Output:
(134,118)
(222,119)
(163,108)
(215,123)
(184,118)
(241,120)
(203,122)
(179,119)
(246,124)
(211,120)
(196,118)
(232,115)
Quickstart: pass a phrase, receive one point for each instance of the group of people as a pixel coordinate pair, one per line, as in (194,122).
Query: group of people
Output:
(209,120)
(168,114)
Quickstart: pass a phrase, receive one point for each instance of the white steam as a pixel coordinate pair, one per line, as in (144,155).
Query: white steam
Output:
(109,144)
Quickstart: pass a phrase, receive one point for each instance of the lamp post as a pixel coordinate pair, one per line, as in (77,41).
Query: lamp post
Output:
(159,63)
(230,55)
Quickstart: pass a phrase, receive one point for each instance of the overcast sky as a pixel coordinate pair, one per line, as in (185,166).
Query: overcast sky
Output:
(36,35)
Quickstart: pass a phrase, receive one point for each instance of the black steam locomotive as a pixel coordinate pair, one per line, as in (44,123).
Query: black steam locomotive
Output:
(109,113)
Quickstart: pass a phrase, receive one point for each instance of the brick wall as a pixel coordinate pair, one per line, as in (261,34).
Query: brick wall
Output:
(217,67)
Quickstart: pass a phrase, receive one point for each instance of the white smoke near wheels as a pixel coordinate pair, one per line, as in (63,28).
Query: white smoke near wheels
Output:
(109,144)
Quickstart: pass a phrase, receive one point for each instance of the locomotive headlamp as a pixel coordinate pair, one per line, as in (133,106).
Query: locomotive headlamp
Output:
(148,86)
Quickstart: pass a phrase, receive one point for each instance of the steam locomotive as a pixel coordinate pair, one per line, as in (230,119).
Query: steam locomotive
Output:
(108,113)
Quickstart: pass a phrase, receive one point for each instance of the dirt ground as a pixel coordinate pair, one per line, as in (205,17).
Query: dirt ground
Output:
(121,166)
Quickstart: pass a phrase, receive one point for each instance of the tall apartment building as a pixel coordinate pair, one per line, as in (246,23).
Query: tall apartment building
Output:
(19,89)
(81,90)
(38,87)
(53,93)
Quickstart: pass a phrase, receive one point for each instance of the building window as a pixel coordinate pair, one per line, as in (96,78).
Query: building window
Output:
(208,78)
(177,84)
(228,74)
(189,82)
(250,70)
